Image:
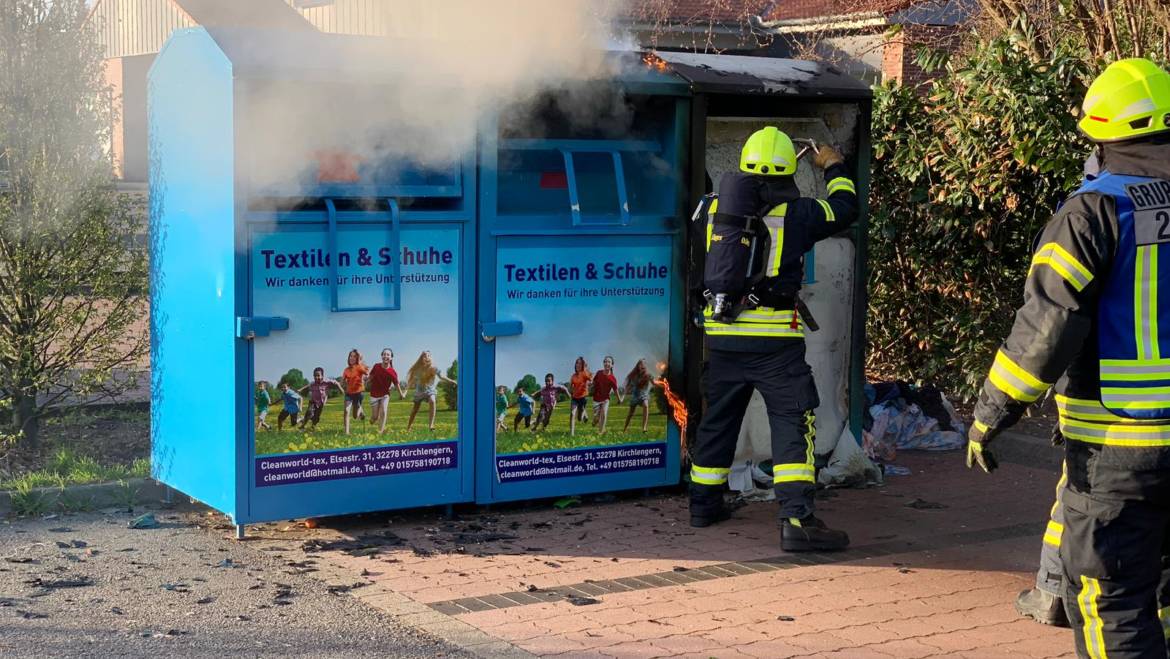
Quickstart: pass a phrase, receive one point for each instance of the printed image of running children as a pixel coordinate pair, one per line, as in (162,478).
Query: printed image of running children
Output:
(325,416)
(290,406)
(605,386)
(318,396)
(424,377)
(524,408)
(263,401)
(637,388)
(354,376)
(548,401)
(579,394)
(383,380)
(502,405)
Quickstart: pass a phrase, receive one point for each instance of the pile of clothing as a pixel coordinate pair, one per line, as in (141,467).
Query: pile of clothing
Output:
(900,416)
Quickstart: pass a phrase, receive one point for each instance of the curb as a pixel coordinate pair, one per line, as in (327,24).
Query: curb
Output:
(91,496)
(1028,451)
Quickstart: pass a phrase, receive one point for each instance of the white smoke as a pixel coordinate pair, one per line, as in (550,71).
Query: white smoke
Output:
(421,91)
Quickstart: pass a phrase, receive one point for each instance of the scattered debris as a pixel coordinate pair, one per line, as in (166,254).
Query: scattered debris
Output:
(366,545)
(283,596)
(341,589)
(80,582)
(566,502)
(922,504)
(146,521)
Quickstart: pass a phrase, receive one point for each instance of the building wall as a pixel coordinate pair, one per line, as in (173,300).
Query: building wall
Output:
(900,54)
(136,27)
(135,136)
(112,76)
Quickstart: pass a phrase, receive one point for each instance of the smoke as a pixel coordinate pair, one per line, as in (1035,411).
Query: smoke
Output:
(418,96)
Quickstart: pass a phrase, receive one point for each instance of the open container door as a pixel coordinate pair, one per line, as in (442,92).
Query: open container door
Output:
(581,240)
(734,96)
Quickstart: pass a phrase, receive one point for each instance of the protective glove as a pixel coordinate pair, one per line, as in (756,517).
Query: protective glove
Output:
(978,452)
(827,156)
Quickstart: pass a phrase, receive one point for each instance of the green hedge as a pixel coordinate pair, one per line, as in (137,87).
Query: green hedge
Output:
(964,177)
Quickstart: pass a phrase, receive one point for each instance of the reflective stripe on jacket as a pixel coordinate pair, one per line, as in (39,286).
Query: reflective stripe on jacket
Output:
(785,233)
(1095,318)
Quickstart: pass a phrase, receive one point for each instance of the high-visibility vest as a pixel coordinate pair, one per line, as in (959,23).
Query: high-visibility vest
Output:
(762,321)
(1133,314)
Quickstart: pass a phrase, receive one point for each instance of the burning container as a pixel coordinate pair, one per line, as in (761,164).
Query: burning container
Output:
(353,312)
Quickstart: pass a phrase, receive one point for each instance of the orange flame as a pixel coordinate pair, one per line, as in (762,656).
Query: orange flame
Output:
(337,166)
(653,61)
(678,410)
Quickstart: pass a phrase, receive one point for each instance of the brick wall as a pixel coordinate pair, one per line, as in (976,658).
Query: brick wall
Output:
(900,52)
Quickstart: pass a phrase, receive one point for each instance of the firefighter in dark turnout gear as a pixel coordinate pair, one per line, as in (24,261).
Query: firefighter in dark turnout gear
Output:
(1095,321)
(760,218)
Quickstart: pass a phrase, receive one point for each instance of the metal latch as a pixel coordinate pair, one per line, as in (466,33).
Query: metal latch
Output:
(254,326)
(489,331)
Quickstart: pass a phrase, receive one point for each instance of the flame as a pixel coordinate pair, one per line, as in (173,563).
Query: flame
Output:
(336,166)
(653,61)
(678,409)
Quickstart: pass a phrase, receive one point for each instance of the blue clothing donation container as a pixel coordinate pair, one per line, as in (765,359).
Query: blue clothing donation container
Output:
(352,311)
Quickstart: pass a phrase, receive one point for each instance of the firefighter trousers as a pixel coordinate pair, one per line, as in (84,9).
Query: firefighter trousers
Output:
(785,382)
(1114,548)
(1050,576)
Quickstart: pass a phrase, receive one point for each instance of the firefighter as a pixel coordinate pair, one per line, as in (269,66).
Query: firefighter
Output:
(1095,320)
(756,341)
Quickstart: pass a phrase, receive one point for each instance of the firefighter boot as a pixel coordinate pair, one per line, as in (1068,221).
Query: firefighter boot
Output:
(707,506)
(1045,608)
(810,534)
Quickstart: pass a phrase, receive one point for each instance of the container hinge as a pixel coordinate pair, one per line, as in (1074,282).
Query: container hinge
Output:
(250,327)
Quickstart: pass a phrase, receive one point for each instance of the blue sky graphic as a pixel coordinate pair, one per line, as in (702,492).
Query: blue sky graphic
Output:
(427,320)
(557,330)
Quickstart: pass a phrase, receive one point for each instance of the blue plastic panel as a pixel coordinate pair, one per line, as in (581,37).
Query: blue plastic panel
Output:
(194,358)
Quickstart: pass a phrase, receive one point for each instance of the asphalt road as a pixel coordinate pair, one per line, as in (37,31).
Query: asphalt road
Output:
(86,585)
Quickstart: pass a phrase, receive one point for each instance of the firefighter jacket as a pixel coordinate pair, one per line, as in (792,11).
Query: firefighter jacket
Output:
(1096,314)
(784,226)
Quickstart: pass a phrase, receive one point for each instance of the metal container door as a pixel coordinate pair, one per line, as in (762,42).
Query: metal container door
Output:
(581,315)
(357,338)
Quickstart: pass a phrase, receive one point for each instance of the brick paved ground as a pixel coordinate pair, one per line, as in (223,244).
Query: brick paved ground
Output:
(937,559)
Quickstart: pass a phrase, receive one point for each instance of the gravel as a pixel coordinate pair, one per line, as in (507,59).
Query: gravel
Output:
(86,585)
